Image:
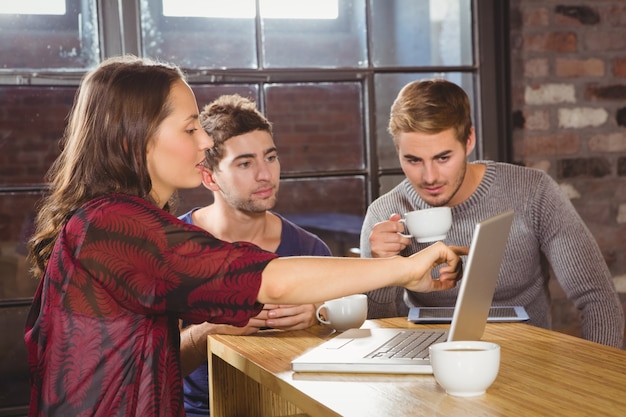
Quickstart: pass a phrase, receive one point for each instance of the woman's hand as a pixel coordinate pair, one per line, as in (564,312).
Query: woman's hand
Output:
(430,257)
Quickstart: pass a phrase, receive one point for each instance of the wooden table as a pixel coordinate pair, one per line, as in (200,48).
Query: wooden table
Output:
(542,373)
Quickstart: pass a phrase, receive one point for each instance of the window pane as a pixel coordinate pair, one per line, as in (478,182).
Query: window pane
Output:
(17,215)
(329,194)
(14,385)
(317,127)
(51,42)
(317,43)
(32,120)
(331,207)
(210,8)
(421,33)
(387,87)
(387,182)
(33,7)
(299,9)
(206,93)
(198,42)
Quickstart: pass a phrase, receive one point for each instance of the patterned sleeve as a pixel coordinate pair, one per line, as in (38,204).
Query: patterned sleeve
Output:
(153,263)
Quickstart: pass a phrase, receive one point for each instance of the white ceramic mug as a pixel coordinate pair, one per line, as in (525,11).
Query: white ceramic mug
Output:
(344,313)
(465,368)
(428,225)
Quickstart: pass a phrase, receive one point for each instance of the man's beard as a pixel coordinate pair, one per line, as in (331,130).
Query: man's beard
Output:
(253,206)
(436,200)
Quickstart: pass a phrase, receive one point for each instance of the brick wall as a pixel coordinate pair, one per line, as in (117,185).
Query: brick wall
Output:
(568,63)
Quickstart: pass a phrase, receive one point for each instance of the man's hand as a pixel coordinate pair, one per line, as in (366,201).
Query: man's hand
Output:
(385,241)
(289,317)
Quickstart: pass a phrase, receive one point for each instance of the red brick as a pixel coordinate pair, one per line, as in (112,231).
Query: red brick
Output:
(536,17)
(613,14)
(537,120)
(592,67)
(538,67)
(606,92)
(605,40)
(576,15)
(613,142)
(548,145)
(551,42)
(619,67)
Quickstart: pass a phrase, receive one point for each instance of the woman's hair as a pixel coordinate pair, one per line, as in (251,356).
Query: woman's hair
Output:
(226,117)
(117,109)
(431,106)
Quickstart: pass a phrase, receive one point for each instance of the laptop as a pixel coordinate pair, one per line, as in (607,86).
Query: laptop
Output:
(405,351)
(497,314)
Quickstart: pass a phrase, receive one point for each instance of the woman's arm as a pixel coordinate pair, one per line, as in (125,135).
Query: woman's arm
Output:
(301,280)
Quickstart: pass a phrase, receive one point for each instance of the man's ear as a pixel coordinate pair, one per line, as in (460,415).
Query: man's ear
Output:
(208,181)
(471,142)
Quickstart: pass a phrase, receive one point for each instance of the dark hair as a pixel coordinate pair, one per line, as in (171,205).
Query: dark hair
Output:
(226,117)
(117,110)
(431,106)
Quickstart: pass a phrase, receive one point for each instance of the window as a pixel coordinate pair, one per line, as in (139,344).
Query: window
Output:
(34,7)
(422,33)
(54,35)
(215,42)
(275,9)
(325,81)
(295,60)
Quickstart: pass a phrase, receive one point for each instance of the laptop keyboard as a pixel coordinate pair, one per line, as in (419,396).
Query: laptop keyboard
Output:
(409,345)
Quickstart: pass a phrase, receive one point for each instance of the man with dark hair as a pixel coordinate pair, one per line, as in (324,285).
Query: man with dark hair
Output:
(243,172)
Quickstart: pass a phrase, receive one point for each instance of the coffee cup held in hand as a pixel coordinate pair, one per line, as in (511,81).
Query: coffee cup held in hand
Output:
(428,225)
(465,369)
(344,313)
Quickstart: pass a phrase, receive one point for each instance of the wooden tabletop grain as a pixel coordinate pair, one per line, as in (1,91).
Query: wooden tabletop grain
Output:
(542,373)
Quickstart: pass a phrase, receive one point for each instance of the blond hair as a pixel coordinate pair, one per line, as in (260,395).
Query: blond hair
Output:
(431,106)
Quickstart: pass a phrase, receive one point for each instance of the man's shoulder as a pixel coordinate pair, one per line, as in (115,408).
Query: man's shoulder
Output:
(291,228)
(187,217)
(299,241)
(516,170)
(508,176)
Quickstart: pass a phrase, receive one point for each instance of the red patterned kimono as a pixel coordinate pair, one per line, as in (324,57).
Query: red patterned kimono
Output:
(102,335)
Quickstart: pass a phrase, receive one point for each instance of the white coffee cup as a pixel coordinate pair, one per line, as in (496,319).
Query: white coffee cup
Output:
(428,225)
(344,313)
(465,368)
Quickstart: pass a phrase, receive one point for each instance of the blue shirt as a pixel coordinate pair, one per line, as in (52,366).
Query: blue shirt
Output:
(294,241)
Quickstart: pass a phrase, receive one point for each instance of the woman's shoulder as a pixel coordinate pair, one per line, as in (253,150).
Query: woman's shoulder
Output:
(122,208)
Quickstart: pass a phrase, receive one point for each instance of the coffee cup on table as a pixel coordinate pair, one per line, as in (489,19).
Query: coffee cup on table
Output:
(465,368)
(427,225)
(344,313)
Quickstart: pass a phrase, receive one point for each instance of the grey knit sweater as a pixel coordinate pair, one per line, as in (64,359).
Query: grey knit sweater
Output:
(546,232)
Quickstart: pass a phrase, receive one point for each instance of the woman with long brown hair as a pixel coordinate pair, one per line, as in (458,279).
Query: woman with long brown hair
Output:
(118,270)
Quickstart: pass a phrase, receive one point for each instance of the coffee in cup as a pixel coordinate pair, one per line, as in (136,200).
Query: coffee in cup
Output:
(428,225)
(344,313)
(465,368)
